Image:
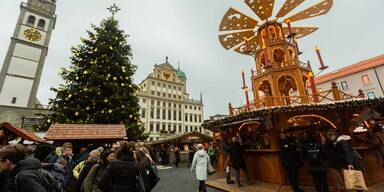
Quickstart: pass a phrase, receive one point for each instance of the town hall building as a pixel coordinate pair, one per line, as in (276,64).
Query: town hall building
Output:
(165,105)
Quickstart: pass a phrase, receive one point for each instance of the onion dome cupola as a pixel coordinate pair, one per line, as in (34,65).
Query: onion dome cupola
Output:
(180,73)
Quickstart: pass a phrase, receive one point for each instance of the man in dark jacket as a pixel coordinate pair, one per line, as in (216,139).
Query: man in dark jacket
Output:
(290,157)
(237,161)
(25,174)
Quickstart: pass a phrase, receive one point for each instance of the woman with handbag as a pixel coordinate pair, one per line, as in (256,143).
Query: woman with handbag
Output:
(122,174)
(351,160)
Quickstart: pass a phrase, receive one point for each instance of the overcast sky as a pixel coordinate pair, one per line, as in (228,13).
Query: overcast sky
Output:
(186,31)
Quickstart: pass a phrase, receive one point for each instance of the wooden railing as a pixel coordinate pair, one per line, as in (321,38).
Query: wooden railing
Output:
(270,101)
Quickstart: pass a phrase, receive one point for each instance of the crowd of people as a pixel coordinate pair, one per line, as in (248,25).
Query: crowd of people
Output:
(126,167)
(132,167)
(331,155)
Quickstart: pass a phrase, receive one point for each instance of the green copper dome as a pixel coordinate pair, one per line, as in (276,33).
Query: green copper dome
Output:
(180,73)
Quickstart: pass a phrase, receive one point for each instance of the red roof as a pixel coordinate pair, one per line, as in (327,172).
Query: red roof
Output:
(24,134)
(86,132)
(357,67)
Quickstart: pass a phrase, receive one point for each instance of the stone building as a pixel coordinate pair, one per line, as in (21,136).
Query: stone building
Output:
(367,75)
(166,107)
(24,61)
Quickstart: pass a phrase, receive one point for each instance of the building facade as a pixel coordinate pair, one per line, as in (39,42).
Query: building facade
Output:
(24,61)
(367,75)
(165,104)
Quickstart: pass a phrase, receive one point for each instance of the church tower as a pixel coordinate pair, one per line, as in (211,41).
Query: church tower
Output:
(23,64)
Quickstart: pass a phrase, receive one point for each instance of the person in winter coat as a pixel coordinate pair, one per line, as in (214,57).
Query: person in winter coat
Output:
(87,165)
(212,154)
(237,161)
(93,177)
(227,158)
(57,169)
(121,174)
(290,156)
(81,156)
(335,160)
(351,158)
(25,173)
(177,156)
(67,154)
(315,155)
(144,164)
(200,163)
(191,153)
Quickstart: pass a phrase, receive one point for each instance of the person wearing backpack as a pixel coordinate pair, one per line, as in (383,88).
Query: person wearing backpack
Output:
(57,169)
(316,156)
(26,173)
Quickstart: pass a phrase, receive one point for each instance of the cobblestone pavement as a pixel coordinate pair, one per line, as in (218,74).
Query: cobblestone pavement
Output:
(177,180)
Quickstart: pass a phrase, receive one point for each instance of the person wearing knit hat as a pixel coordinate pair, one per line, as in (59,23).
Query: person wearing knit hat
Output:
(83,168)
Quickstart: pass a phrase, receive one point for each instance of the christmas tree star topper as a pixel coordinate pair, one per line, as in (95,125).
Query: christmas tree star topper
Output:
(113,9)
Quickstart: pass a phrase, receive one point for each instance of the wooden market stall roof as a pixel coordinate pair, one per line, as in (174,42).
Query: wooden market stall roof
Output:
(64,132)
(24,134)
(181,137)
(265,112)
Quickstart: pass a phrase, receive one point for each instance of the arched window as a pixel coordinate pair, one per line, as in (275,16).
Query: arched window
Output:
(41,24)
(31,20)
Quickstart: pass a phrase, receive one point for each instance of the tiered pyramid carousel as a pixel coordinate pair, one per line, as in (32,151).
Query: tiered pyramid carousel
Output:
(285,97)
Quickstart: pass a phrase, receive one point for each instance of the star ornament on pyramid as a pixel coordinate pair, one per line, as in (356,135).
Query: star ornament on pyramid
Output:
(113,9)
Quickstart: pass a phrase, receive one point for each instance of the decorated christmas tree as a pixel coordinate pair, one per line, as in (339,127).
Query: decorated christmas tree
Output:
(99,85)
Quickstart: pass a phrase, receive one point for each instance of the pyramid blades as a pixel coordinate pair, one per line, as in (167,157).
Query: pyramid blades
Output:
(319,9)
(288,6)
(300,31)
(230,40)
(262,8)
(235,20)
(248,48)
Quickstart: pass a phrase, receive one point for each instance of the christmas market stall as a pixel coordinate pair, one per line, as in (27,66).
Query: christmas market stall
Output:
(260,129)
(9,132)
(184,141)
